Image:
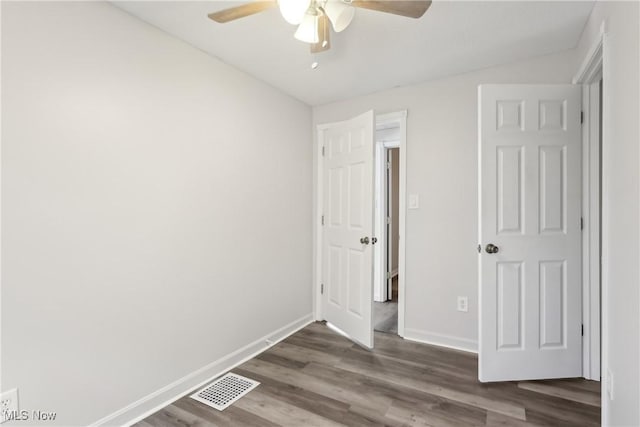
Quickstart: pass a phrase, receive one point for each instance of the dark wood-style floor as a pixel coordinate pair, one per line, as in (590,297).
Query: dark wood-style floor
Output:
(319,378)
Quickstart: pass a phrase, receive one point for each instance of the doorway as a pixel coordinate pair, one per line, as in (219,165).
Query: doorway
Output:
(387,212)
(577,304)
(348,231)
(593,232)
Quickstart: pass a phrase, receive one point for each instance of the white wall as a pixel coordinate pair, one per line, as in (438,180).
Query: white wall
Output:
(156,212)
(441,256)
(621,159)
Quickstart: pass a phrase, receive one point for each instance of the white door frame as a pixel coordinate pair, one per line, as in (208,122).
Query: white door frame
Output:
(381,255)
(399,117)
(593,269)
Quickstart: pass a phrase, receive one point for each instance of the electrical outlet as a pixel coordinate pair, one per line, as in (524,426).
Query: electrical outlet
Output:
(610,384)
(463,304)
(8,404)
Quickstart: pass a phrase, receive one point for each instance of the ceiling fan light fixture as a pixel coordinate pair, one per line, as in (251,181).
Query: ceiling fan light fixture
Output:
(293,11)
(340,14)
(308,29)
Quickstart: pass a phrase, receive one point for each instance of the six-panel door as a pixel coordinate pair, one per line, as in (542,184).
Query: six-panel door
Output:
(530,192)
(348,218)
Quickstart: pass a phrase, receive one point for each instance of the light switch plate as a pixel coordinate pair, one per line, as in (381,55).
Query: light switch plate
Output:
(414,201)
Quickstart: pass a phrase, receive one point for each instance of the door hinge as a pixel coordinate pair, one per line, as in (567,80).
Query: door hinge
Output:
(388,275)
(388,165)
(582,329)
(581,116)
(322,220)
(479,248)
(388,220)
(321,288)
(323,151)
(581,223)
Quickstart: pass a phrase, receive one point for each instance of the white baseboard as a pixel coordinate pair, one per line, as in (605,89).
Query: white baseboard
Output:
(153,402)
(441,340)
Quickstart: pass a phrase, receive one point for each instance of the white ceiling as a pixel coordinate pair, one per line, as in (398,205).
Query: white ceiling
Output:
(377,51)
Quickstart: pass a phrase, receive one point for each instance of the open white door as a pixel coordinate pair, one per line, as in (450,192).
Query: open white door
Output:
(530,242)
(347,253)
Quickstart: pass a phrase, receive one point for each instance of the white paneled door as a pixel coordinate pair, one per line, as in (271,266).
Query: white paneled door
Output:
(347,253)
(530,232)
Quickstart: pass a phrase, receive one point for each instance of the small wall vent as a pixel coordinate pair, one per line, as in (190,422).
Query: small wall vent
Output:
(224,391)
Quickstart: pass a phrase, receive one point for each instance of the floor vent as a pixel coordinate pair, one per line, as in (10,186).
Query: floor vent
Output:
(224,391)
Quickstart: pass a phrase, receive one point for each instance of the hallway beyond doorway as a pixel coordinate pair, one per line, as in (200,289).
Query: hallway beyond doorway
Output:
(385,314)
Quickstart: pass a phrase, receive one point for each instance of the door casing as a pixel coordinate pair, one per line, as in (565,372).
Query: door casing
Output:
(594,237)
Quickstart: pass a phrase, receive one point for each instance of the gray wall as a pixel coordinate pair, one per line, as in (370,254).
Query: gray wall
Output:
(156,212)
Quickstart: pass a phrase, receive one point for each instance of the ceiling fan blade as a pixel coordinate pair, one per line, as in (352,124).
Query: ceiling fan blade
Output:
(408,8)
(324,29)
(238,12)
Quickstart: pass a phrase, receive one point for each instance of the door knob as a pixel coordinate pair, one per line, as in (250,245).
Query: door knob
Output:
(364,240)
(492,249)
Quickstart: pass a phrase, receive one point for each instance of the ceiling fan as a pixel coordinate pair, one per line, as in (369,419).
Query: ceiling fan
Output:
(315,17)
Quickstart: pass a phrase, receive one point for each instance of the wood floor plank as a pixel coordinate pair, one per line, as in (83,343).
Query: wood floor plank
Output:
(329,408)
(578,384)
(403,396)
(324,387)
(557,418)
(500,407)
(318,377)
(286,362)
(372,418)
(592,399)
(303,354)
(497,420)
(548,410)
(232,416)
(375,359)
(416,415)
(281,412)
(173,416)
